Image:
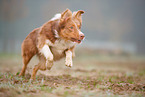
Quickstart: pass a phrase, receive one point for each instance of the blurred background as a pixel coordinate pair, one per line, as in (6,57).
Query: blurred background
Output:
(110,62)
(110,26)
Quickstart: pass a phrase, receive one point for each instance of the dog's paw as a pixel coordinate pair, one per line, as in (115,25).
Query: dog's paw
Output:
(68,63)
(49,64)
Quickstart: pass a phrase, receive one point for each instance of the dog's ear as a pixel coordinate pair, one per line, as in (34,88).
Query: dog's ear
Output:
(78,14)
(66,14)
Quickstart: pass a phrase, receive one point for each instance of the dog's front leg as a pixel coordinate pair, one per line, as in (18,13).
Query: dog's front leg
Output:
(48,55)
(68,60)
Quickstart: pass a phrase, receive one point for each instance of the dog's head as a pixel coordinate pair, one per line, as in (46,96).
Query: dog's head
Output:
(70,25)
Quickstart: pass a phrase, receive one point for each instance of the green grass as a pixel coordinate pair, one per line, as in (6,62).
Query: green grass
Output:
(91,76)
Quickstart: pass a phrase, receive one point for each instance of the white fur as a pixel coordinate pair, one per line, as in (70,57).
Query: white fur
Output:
(57,16)
(81,33)
(68,61)
(47,53)
(60,45)
(56,34)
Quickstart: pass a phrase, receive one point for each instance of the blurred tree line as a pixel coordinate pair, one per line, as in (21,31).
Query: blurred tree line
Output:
(10,10)
(105,22)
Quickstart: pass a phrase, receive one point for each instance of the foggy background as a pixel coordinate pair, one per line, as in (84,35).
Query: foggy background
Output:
(113,25)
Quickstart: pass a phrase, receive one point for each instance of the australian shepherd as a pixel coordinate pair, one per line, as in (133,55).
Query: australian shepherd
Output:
(52,41)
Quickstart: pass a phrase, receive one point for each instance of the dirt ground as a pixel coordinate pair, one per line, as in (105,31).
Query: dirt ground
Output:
(92,75)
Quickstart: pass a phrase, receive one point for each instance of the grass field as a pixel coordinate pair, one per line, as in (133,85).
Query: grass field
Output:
(92,75)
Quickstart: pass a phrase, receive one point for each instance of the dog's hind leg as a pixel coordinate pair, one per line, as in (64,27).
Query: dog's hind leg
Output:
(28,51)
(41,65)
(35,69)
(26,60)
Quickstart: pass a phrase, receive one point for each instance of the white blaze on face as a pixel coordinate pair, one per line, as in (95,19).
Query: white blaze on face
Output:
(81,33)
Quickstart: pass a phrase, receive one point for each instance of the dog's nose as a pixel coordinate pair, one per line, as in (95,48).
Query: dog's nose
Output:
(82,36)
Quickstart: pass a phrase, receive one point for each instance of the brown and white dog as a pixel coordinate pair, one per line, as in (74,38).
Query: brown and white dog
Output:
(52,41)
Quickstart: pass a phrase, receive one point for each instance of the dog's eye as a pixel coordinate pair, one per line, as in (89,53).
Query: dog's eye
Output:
(71,27)
(79,27)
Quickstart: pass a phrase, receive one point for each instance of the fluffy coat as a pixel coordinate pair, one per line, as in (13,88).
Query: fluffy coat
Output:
(52,41)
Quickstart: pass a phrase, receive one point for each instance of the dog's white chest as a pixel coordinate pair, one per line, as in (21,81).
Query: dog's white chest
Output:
(60,45)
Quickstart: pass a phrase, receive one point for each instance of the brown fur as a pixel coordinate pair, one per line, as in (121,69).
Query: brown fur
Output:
(35,40)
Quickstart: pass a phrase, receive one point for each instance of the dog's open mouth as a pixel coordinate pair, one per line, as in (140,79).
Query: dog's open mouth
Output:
(76,40)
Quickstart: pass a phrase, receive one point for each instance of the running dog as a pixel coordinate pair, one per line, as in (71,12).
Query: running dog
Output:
(52,41)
